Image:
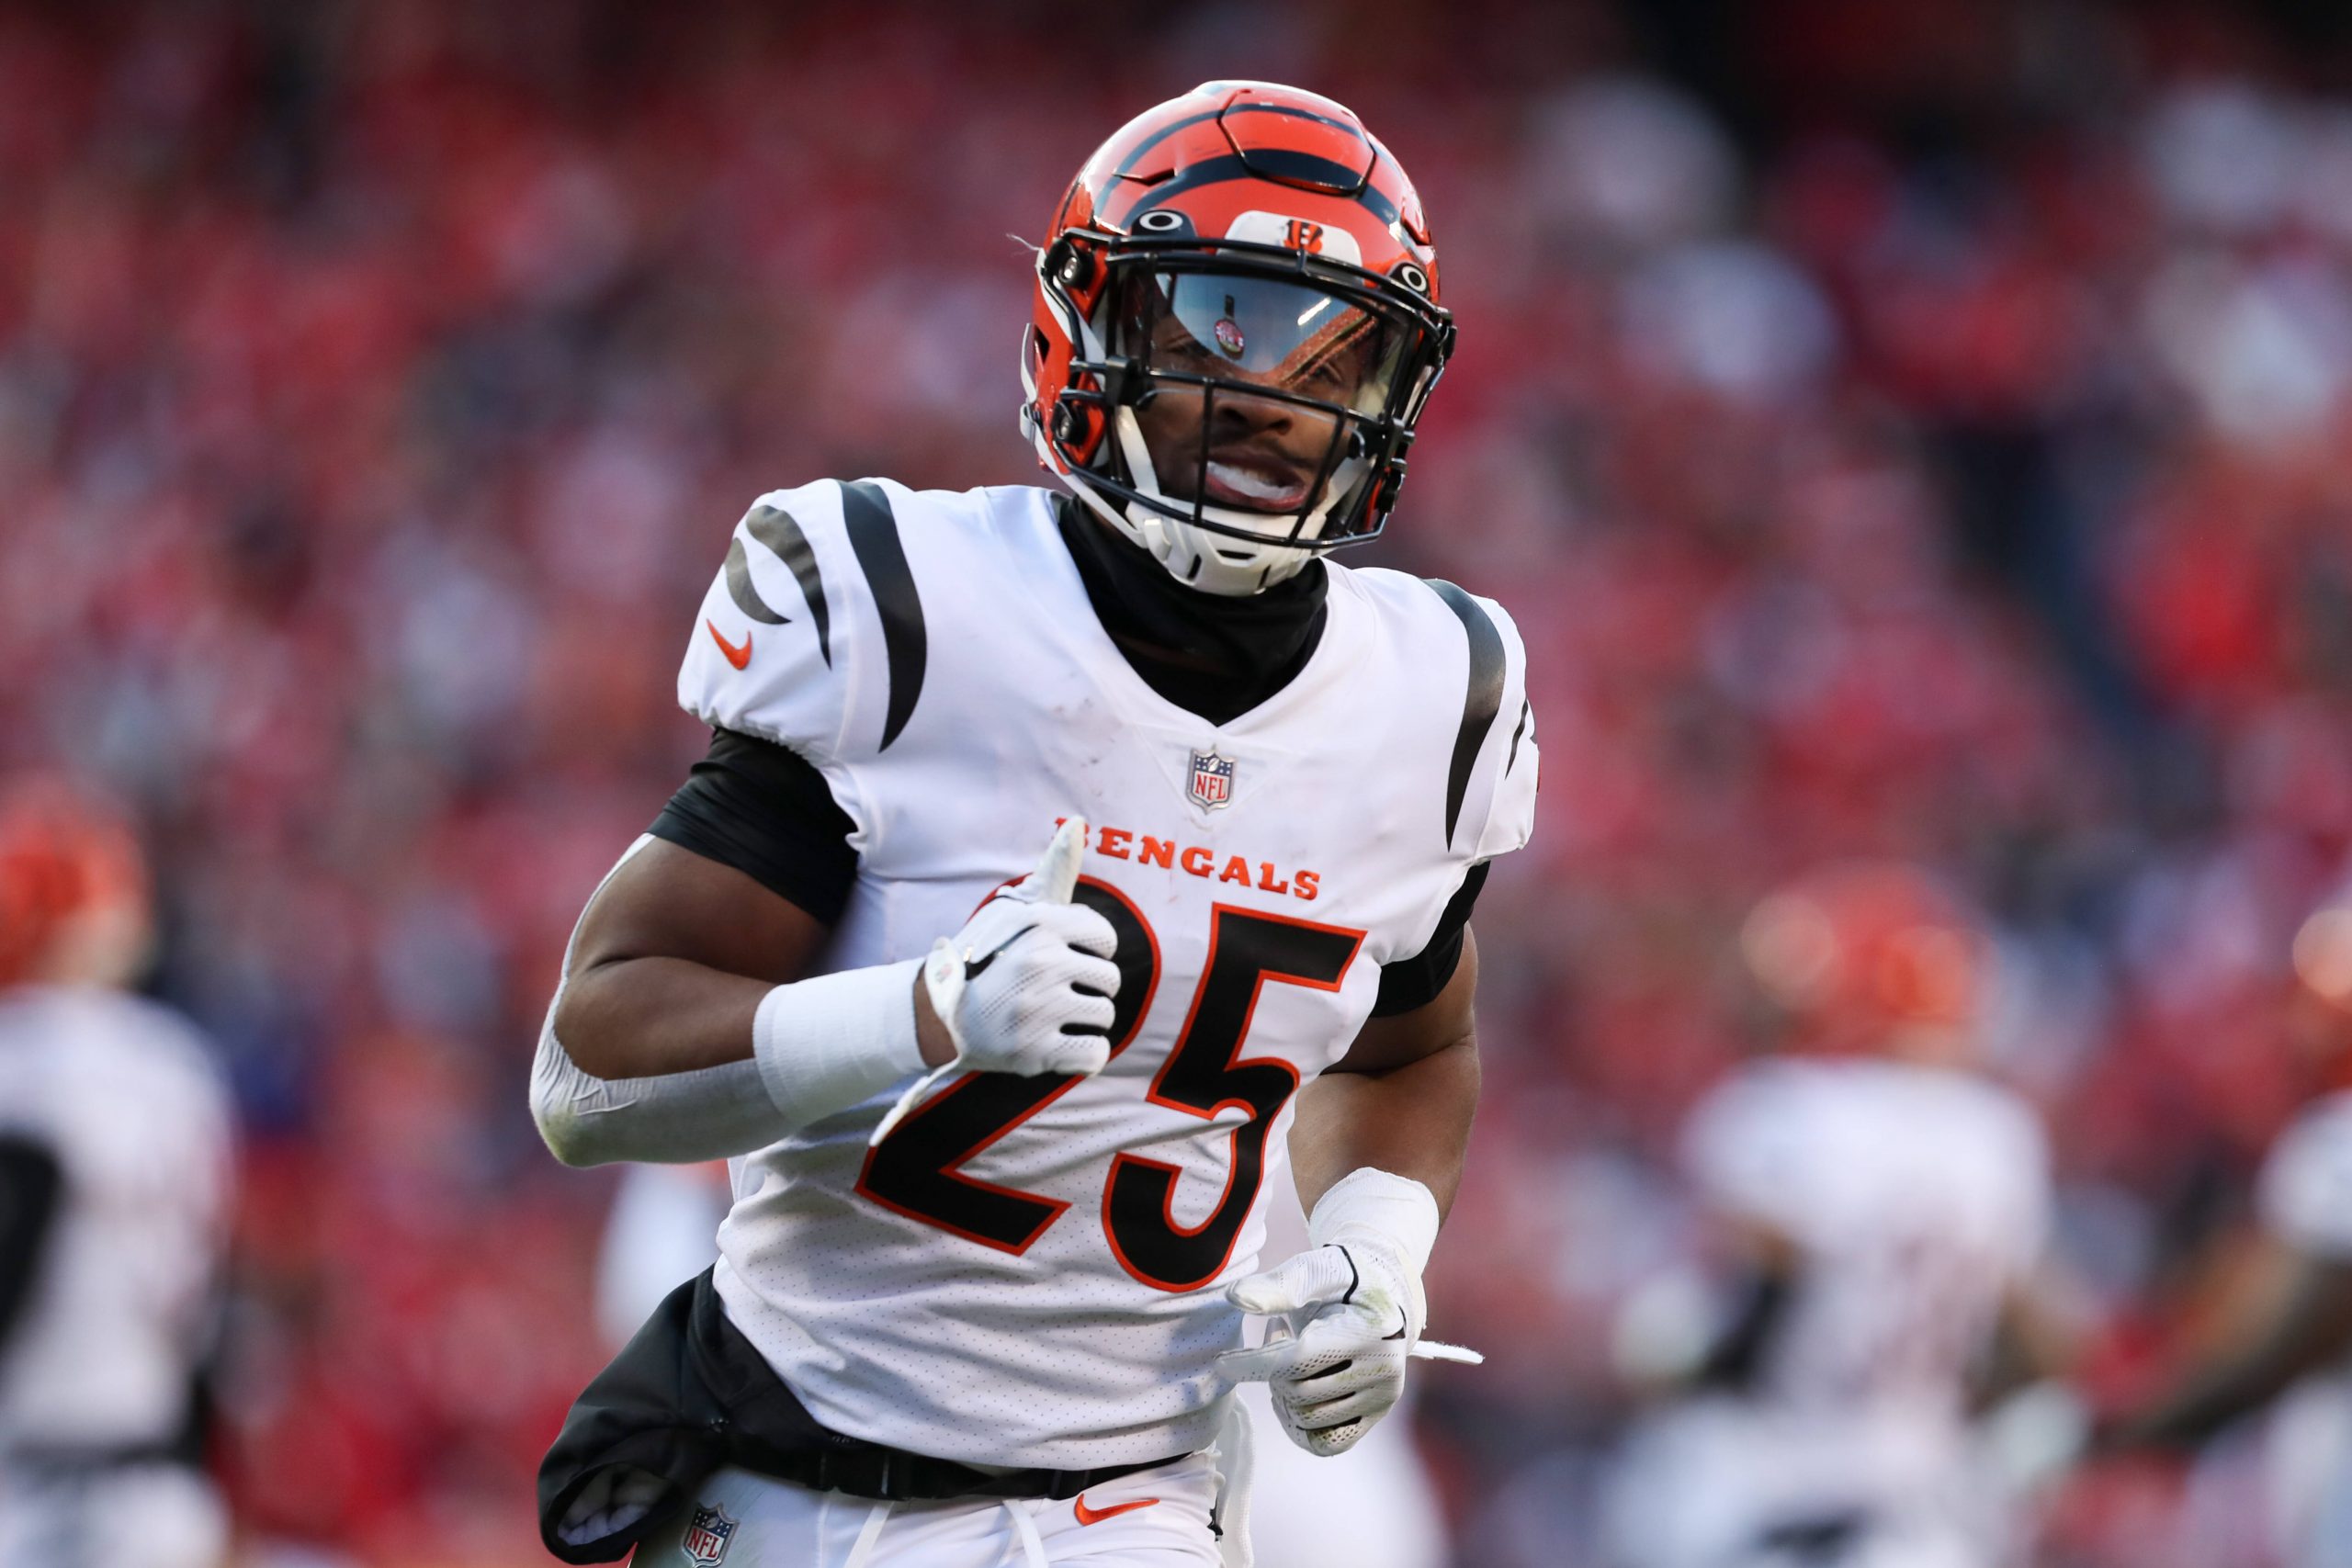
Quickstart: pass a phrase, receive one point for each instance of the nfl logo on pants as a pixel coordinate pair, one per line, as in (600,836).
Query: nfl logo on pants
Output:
(706,1538)
(1212,781)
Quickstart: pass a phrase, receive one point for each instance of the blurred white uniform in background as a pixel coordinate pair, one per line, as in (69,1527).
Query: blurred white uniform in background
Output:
(114,1203)
(662,1231)
(96,1378)
(1904,1202)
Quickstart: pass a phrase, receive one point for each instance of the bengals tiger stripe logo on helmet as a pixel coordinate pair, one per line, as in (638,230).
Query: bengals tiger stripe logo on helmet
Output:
(1268,224)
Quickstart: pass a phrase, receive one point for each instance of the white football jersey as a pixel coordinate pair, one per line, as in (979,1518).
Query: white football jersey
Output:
(2305,1194)
(125,1095)
(1915,1198)
(1028,1271)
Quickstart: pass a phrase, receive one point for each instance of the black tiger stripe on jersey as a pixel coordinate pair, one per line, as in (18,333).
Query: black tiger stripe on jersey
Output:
(1481,702)
(740,588)
(1519,729)
(781,532)
(874,537)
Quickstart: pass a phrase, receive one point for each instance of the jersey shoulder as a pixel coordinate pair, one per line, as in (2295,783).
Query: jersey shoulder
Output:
(818,630)
(1468,648)
(2305,1191)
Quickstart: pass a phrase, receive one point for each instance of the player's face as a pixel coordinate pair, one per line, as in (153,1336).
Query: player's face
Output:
(1232,447)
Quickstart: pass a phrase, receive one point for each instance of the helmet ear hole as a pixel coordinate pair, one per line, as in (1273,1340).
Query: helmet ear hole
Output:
(1077,427)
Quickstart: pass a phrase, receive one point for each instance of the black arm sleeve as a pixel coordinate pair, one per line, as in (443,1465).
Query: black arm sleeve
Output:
(31,1184)
(1415,982)
(766,811)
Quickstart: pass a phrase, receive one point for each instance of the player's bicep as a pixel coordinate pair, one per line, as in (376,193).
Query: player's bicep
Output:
(1443,1023)
(666,901)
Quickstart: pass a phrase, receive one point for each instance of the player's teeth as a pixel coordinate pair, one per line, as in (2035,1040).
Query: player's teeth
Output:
(1243,482)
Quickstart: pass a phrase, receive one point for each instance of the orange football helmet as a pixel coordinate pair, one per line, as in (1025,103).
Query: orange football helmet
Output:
(1872,956)
(1252,253)
(73,891)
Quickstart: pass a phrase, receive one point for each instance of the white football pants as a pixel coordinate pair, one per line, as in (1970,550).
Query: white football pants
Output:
(161,1515)
(1720,1482)
(1153,1519)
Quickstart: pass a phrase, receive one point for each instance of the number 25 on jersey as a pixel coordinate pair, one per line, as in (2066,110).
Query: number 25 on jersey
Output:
(917,1170)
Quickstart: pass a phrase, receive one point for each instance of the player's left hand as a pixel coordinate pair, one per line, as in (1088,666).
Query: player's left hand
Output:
(1345,1317)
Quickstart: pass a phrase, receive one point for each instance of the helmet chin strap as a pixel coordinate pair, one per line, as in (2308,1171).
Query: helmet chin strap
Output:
(1199,556)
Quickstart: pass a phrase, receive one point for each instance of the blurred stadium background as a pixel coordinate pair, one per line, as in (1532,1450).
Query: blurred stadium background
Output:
(1914,430)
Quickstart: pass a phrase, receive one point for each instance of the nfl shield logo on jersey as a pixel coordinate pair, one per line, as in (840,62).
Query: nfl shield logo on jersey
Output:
(1212,781)
(706,1536)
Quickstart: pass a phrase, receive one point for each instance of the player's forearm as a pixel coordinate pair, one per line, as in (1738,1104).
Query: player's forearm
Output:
(2308,1327)
(2204,1403)
(689,1063)
(650,1017)
(1412,1121)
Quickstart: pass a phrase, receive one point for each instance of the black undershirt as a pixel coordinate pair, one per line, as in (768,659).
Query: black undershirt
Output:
(1215,655)
(762,809)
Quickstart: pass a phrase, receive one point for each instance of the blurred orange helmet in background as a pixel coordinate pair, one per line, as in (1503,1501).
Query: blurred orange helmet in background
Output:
(2322,949)
(1872,956)
(73,890)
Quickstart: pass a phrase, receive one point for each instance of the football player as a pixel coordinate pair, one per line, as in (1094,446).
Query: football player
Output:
(2293,1320)
(1884,1210)
(114,1184)
(1059,861)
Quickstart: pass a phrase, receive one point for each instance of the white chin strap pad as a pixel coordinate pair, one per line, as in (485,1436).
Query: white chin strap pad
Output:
(1200,557)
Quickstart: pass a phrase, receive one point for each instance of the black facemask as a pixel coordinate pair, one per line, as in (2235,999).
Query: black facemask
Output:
(1209,654)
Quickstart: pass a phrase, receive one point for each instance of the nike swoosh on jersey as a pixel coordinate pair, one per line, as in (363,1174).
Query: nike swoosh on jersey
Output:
(738,656)
(1087,1516)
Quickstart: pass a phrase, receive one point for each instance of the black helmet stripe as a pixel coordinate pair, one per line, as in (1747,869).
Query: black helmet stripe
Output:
(1155,138)
(1296,165)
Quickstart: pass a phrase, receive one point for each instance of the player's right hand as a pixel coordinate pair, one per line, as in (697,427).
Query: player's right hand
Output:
(1026,986)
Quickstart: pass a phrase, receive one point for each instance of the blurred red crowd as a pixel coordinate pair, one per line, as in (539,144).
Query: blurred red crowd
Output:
(1934,449)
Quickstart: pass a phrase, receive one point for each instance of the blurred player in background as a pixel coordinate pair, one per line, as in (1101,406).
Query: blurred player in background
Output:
(998,1139)
(115,1137)
(2289,1322)
(1882,1208)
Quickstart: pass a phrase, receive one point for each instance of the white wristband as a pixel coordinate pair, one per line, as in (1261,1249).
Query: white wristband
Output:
(827,1044)
(1369,1202)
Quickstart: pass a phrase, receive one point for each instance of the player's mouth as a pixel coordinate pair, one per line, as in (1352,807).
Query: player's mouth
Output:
(1255,486)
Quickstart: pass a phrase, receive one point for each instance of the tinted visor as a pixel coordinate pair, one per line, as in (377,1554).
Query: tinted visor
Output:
(1283,337)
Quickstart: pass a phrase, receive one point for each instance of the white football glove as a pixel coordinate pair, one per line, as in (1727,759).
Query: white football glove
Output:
(1347,1312)
(1026,986)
